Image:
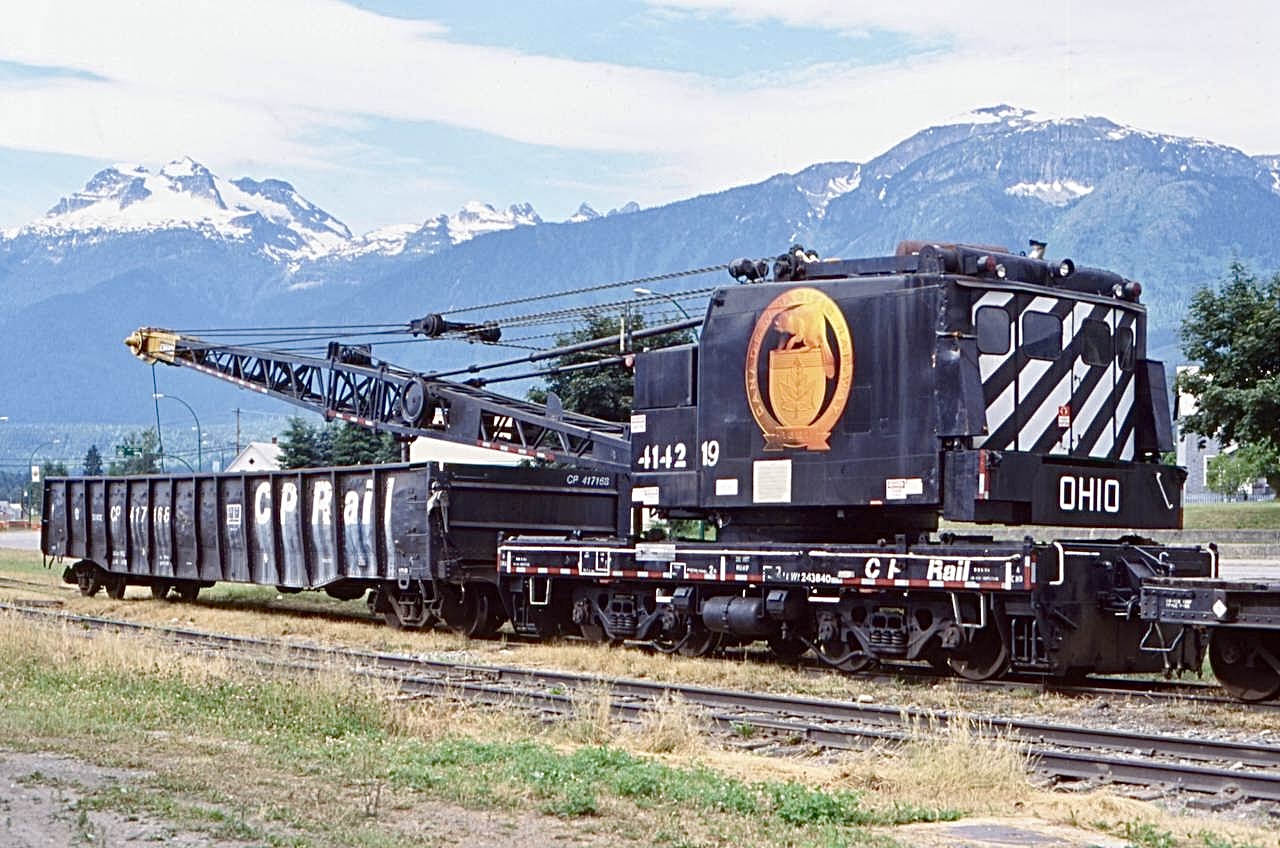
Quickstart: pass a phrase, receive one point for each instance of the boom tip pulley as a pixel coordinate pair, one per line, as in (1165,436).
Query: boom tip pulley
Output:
(434,325)
(153,344)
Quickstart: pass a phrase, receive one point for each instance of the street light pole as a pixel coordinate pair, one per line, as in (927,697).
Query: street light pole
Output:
(199,432)
(650,292)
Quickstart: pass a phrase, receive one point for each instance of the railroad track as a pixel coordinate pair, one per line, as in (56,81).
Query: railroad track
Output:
(1232,770)
(1149,690)
(1173,691)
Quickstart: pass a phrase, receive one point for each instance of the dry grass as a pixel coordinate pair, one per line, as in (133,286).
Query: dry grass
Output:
(961,759)
(959,767)
(672,727)
(312,617)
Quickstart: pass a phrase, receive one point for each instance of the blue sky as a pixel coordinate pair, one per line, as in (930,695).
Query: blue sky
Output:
(390,111)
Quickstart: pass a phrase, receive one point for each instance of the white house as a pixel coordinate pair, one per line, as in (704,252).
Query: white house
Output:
(256,456)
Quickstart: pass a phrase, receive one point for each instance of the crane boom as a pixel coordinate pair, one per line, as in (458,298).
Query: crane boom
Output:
(350,385)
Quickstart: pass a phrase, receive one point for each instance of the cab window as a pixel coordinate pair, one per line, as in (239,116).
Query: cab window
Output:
(992,327)
(1096,338)
(1041,335)
(1124,348)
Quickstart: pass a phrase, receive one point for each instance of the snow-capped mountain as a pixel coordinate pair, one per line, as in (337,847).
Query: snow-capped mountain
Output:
(186,195)
(585,213)
(184,248)
(270,215)
(474,219)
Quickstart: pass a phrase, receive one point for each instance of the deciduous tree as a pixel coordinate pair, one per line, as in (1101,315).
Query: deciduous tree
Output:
(606,391)
(1232,332)
(1231,471)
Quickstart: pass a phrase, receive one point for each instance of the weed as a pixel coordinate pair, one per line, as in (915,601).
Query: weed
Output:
(592,722)
(575,802)
(86,832)
(671,726)
(1146,835)
(1215,840)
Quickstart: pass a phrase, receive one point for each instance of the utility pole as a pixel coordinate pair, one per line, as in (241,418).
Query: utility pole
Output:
(237,431)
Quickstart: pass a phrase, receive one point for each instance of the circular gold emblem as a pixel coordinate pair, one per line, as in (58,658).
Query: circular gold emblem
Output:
(807,372)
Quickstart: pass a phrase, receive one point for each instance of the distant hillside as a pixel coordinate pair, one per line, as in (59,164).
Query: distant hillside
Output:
(188,249)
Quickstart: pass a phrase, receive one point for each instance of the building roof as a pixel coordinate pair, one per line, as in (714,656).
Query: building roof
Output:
(423,449)
(257,456)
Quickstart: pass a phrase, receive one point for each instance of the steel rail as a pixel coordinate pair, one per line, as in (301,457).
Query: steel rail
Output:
(830,724)
(1178,691)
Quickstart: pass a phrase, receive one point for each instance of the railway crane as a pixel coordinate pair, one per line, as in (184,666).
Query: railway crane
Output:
(829,415)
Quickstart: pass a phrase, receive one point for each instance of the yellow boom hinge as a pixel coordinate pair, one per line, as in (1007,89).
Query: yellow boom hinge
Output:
(153,344)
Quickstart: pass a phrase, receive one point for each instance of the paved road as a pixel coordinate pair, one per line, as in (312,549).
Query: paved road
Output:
(1249,569)
(20,540)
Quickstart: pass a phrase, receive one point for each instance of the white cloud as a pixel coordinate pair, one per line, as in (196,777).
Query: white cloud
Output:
(290,83)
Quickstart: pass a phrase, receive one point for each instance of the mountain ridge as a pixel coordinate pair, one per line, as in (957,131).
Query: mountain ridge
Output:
(1172,212)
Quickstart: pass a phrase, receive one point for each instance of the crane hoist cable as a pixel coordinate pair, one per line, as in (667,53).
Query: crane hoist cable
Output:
(586,289)
(299,338)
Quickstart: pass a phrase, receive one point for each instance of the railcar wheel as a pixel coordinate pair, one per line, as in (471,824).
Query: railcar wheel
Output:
(387,602)
(986,656)
(840,656)
(187,591)
(788,649)
(1246,663)
(857,662)
(595,633)
(687,636)
(938,661)
(490,615)
(115,584)
(473,610)
(160,590)
(393,620)
(698,642)
(88,578)
(457,608)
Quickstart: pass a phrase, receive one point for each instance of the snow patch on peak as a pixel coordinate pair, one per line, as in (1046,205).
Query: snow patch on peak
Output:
(585,213)
(843,185)
(388,241)
(476,218)
(1052,192)
(1271,165)
(1003,113)
(819,194)
(625,209)
(183,167)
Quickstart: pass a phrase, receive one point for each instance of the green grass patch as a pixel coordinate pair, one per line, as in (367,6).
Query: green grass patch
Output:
(25,562)
(576,784)
(1245,515)
(239,754)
